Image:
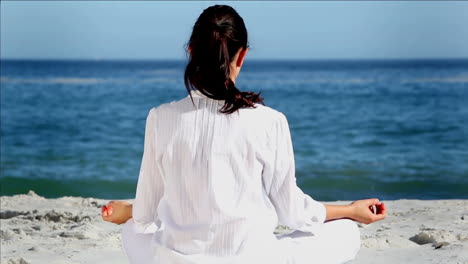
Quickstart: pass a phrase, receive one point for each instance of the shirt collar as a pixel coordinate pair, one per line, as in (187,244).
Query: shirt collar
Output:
(196,93)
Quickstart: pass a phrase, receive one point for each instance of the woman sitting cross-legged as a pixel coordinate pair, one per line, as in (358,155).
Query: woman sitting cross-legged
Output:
(218,174)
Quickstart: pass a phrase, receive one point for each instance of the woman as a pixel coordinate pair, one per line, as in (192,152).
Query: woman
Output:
(217,173)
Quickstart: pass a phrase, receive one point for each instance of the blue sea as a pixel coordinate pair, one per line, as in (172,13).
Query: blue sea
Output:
(390,129)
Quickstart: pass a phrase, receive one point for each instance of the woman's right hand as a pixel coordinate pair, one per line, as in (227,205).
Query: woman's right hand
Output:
(361,211)
(117,212)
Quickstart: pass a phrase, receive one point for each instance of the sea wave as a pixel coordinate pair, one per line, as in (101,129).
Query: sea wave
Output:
(58,80)
(448,79)
(305,81)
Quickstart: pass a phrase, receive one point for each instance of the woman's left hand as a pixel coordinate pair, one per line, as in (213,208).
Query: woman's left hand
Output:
(361,211)
(117,212)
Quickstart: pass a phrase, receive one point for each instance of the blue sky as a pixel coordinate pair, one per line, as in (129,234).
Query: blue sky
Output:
(277,30)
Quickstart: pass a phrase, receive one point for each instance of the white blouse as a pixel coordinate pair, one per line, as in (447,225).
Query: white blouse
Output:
(215,186)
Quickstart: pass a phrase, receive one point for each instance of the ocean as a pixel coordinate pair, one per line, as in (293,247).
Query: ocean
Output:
(391,129)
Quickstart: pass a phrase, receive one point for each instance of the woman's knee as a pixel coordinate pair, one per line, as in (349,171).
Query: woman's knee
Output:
(351,231)
(127,227)
(136,246)
(355,233)
(127,233)
(345,235)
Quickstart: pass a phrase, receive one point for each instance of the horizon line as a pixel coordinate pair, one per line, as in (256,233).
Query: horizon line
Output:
(250,59)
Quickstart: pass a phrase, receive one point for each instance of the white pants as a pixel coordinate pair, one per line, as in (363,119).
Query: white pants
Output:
(338,242)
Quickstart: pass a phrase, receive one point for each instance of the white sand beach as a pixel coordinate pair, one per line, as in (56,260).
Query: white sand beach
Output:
(70,230)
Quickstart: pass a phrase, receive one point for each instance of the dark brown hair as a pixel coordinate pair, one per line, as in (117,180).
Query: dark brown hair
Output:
(217,35)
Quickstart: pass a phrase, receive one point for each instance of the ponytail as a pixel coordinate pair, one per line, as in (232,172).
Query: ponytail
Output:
(218,34)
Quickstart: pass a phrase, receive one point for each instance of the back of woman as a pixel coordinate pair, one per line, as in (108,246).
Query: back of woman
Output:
(211,166)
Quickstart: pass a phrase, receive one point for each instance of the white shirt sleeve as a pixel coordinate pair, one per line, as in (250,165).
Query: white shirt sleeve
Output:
(150,187)
(294,208)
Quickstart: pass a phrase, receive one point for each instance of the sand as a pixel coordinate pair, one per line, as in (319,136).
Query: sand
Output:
(70,230)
